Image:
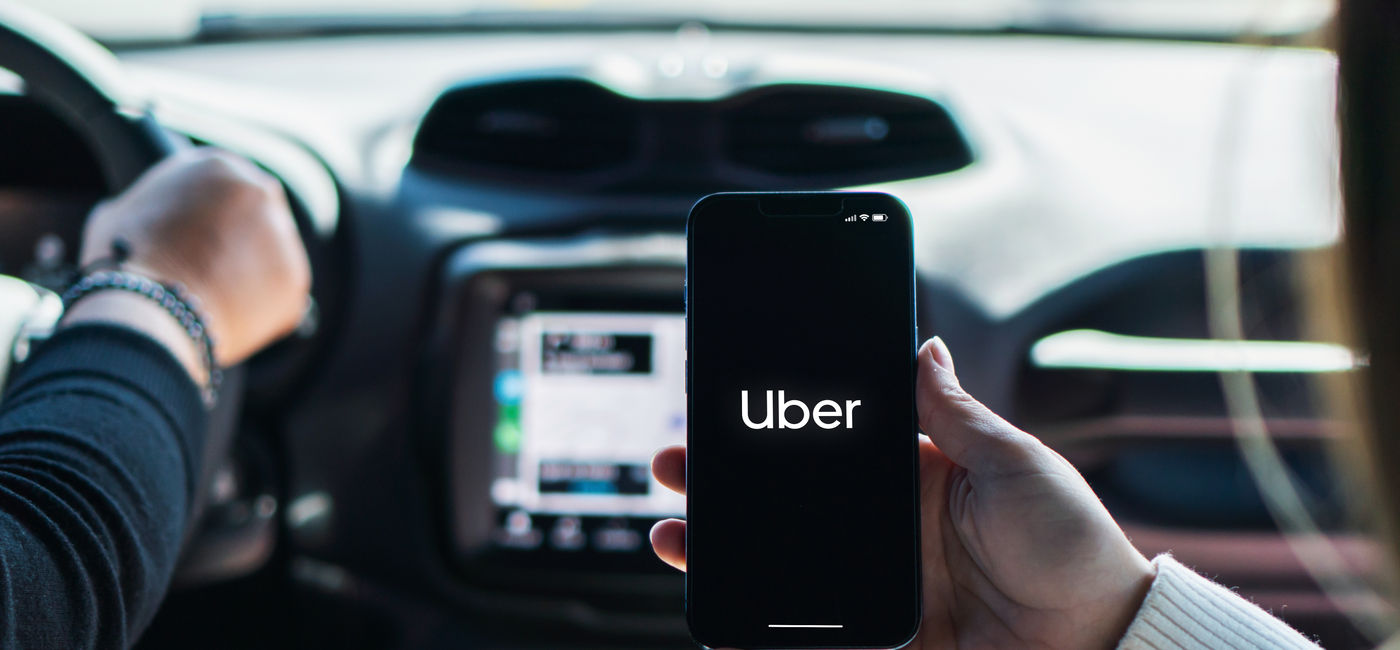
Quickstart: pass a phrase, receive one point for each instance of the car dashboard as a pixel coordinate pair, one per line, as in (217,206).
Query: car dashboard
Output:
(456,450)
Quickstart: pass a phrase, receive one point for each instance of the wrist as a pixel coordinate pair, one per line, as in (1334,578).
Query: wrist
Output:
(1138,583)
(119,255)
(200,297)
(179,308)
(136,312)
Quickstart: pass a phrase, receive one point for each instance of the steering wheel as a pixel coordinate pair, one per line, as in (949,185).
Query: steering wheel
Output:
(83,83)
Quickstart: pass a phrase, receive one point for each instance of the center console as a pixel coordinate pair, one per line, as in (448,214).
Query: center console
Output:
(561,369)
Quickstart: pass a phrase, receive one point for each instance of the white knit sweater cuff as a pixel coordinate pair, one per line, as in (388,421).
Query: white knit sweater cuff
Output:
(1186,611)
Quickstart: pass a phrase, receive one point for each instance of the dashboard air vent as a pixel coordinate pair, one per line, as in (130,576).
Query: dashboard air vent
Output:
(848,135)
(551,127)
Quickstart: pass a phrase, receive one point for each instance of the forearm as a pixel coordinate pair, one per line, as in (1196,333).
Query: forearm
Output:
(100,440)
(101,434)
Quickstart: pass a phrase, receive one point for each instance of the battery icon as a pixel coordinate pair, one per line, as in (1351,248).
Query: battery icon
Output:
(878,217)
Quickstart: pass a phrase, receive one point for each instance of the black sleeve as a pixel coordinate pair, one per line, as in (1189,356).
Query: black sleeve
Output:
(101,433)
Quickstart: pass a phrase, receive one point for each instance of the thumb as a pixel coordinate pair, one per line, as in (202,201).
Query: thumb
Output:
(968,433)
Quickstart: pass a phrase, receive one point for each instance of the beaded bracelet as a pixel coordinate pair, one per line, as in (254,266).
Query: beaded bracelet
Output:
(172,298)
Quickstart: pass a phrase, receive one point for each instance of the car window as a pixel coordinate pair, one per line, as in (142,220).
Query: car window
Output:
(1216,19)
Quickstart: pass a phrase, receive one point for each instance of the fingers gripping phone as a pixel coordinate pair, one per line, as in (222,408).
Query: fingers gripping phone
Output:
(802,499)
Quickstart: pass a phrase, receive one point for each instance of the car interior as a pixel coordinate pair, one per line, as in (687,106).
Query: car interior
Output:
(471,179)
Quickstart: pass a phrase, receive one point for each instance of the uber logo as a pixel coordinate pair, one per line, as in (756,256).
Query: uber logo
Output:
(827,414)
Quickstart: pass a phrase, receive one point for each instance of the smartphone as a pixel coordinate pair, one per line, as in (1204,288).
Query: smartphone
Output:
(802,465)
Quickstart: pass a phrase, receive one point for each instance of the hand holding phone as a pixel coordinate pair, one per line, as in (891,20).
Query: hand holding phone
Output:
(1017,549)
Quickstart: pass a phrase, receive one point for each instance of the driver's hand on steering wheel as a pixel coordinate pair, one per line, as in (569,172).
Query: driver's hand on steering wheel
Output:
(1017,549)
(221,227)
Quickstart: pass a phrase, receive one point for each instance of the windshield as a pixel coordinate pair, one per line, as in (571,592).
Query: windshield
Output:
(153,20)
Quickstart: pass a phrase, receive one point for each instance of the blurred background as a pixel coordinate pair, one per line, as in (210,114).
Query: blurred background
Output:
(453,451)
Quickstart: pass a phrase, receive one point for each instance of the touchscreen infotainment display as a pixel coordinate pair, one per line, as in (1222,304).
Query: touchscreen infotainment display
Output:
(583,400)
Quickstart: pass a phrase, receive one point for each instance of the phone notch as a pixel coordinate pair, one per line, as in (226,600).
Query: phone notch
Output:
(801,205)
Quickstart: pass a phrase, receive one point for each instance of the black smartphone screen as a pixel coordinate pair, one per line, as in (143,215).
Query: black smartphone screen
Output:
(802,468)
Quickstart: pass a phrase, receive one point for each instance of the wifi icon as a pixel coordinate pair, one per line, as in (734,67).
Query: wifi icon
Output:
(857,217)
